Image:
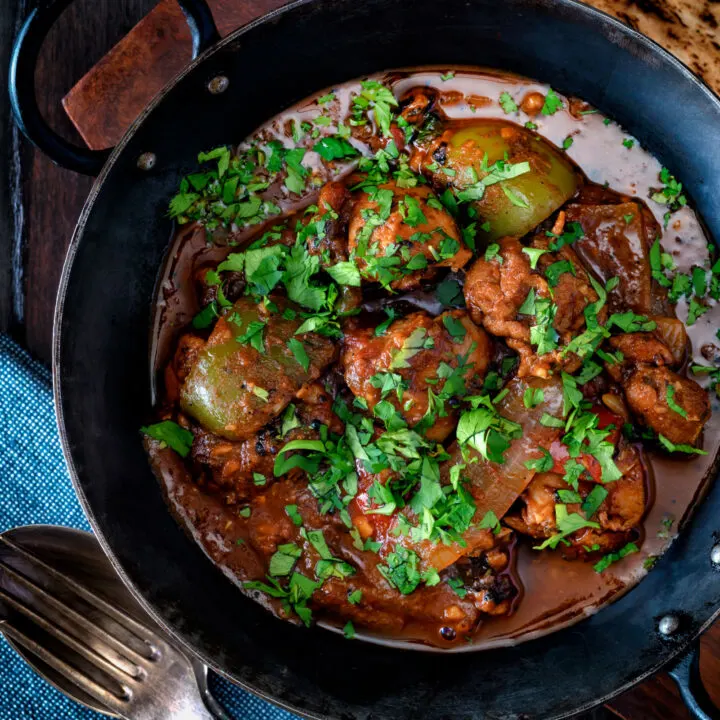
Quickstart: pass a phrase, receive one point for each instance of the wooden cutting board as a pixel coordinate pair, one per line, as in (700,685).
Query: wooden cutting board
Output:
(110,96)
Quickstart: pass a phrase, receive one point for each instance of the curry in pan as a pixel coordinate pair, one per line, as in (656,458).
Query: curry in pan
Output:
(435,356)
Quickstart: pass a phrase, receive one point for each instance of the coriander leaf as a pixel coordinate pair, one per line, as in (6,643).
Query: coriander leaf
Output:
(454,327)
(514,198)
(605,562)
(449,293)
(594,500)
(552,104)
(299,352)
(175,437)
(334,148)
(344,273)
(672,447)
(670,397)
(528,305)
(493,253)
(533,397)
(507,103)
(206,316)
(284,559)
(534,255)
(253,335)
(541,464)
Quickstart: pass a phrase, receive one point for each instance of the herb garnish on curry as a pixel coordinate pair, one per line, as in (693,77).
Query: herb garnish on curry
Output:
(416,352)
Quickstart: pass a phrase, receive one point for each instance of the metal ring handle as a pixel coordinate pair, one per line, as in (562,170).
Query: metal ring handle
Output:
(686,674)
(23,62)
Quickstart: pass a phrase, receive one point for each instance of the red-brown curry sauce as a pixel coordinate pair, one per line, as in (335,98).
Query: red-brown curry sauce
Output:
(553,592)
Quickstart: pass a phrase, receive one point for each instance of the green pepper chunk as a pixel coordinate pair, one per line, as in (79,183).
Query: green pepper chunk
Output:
(247,374)
(511,206)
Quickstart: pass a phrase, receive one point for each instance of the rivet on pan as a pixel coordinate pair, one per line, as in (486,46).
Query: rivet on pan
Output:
(669,625)
(715,554)
(147,161)
(218,84)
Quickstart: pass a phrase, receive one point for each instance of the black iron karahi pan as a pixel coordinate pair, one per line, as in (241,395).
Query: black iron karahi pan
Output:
(102,382)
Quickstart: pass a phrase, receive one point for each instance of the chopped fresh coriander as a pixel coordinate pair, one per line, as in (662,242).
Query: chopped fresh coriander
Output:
(554,271)
(349,630)
(628,143)
(253,335)
(549,421)
(528,305)
(530,125)
(628,218)
(284,559)
(541,464)
(672,447)
(670,397)
(334,148)
(552,104)
(374,96)
(417,341)
(299,352)
(567,143)
(606,121)
(533,397)
(607,560)
(355,597)
(493,253)
(486,431)
(695,310)
(381,329)
(569,496)
(507,103)
(206,316)
(514,198)
(534,255)
(671,193)
(656,264)
(699,281)
(447,76)
(454,327)
(325,99)
(490,522)
(171,434)
(594,500)
(245,512)
(293,513)
(449,293)
(259,479)
(458,587)
(567,524)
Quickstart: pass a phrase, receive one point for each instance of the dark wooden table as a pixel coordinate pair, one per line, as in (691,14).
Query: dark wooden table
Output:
(39,204)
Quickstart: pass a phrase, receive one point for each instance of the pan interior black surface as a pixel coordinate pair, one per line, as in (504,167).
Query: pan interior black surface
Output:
(102,350)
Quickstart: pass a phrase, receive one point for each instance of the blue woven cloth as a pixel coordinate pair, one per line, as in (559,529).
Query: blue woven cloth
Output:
(35,488)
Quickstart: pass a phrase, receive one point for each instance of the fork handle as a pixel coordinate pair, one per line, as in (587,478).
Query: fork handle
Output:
(216,710)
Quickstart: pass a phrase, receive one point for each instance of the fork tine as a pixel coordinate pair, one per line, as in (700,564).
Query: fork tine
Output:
(113,702)
(118,615)
(119,670)
(61,613)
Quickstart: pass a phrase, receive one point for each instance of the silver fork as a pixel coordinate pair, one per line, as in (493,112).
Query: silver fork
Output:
(64,609)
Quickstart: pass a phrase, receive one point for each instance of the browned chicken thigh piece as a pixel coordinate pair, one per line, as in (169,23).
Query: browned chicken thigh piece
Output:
(620,511)
(400,236)
(496,290)
(415,357)
(673,406)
